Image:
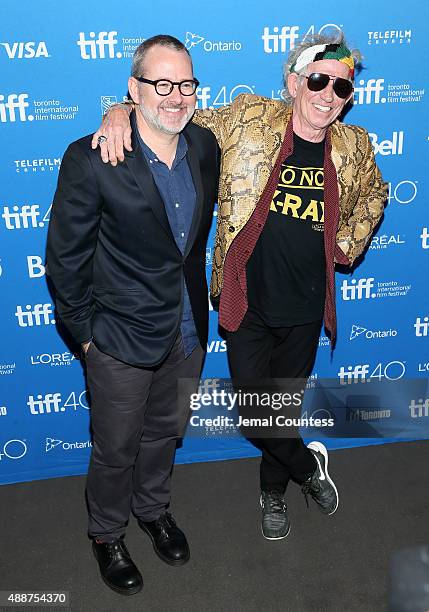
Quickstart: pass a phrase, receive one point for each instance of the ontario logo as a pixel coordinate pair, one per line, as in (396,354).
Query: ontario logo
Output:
(371,334)
(193,40)
(52,443)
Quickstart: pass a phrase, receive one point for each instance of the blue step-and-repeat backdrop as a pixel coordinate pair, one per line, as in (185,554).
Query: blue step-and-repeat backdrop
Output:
(63,63)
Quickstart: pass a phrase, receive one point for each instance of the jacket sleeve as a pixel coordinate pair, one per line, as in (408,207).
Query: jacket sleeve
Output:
(72,237)
(368,209)
(217,121)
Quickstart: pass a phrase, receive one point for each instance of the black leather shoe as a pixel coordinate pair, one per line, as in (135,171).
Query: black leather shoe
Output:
(117,568)
(169,542)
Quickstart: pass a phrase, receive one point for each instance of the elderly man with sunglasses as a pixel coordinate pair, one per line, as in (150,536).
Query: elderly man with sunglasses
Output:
(298,192)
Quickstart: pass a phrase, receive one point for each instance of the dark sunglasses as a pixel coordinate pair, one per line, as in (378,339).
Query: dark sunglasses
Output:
(318,81)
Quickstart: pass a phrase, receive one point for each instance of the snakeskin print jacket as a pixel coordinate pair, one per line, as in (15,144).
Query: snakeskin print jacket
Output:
(250,133)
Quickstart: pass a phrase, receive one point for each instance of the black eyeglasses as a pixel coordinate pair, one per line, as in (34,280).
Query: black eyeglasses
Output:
(318,81)
(164,87)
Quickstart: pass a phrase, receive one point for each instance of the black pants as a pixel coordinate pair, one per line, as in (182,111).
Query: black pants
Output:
(136,421)
(256,351)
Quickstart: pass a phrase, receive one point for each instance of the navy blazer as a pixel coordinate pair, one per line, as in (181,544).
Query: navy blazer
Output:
(115,266)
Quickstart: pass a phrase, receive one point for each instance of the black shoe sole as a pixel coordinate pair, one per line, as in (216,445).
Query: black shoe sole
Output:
(132,591)
(174,562)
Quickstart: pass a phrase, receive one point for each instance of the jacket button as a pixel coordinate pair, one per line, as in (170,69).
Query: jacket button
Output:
(231,228)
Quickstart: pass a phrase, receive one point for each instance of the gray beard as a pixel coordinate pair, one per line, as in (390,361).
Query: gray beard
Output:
(154,121)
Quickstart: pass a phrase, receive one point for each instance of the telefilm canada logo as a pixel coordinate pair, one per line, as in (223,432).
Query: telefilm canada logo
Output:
(193,40)
(107,45)
(37,165)
(383,38)
(20,108)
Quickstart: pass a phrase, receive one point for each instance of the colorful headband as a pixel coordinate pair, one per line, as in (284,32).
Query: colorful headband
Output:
(336,51)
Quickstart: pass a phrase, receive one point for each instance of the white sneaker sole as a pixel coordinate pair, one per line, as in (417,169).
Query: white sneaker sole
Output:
(321,448)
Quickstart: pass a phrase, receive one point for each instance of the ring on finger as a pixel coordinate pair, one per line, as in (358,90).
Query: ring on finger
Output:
(101,139)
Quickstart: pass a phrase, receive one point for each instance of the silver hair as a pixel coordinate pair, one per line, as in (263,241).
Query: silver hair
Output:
(162,40)
(337,37)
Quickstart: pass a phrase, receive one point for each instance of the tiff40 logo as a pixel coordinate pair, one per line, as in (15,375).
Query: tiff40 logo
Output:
(282,39)
(206,98)
(13,449)
(100,45)
(24,217)
(52,403)
(394,370)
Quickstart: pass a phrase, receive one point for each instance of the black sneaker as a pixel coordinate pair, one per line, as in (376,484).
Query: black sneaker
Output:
(275,519)
(320,486)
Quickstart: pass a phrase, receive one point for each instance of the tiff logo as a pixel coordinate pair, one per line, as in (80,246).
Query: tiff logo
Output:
(357,290)
(353,374)
(14,102)
(37,315)
(419,409)
(369,92)
(95,46)
(278,41)
(425,238)
(22,218)
(45,404)
(422,327)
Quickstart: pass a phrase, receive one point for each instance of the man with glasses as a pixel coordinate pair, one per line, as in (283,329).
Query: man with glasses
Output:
(126,254)
(298,192)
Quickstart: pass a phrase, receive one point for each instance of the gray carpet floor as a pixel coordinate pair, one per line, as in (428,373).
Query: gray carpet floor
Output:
(337,563)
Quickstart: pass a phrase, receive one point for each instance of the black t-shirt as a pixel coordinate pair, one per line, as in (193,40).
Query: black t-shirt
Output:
(286,271)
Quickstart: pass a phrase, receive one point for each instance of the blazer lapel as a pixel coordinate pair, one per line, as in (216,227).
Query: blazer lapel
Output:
(142,174)
(194,165)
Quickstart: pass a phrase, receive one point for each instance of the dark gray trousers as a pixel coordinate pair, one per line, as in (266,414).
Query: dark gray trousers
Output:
(136,422)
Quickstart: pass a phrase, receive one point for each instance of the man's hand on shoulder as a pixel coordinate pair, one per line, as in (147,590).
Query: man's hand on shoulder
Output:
(114,134)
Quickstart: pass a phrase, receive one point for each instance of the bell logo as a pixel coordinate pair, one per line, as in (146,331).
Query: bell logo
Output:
(388,147)
(25,50)
(96,45)
(15,102)
(36,269)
